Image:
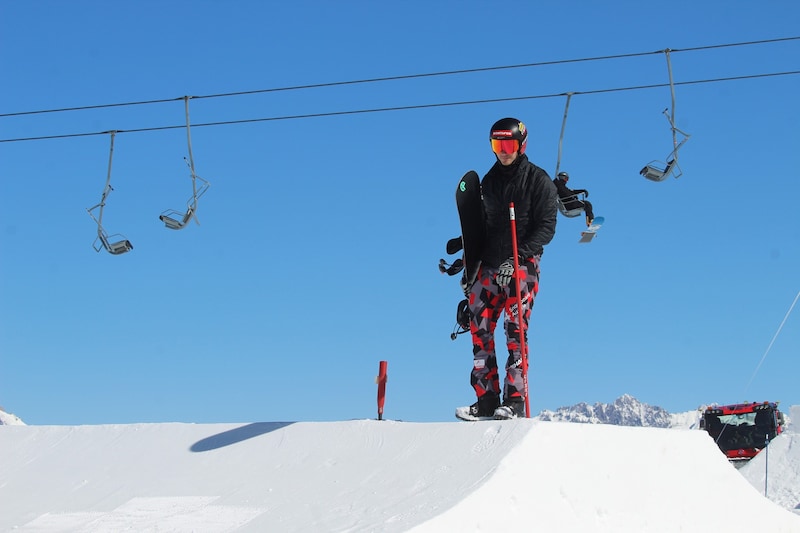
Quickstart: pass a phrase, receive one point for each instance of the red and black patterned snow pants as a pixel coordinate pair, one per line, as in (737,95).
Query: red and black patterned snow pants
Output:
(487,301)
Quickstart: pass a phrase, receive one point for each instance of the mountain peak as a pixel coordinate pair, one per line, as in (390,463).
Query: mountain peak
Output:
(624,411)
(7,419)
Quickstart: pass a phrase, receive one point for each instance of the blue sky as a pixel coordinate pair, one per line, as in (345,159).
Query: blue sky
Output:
(319,239)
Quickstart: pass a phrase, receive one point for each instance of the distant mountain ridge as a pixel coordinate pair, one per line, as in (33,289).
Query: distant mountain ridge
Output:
(624,411)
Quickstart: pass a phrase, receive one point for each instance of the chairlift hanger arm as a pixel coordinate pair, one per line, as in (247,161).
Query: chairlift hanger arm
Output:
(671,82)
(197,191)
(192,204)
(122,245)
(108,188)
(177,220)
(671,116)
(189,135)
(660,172)
(672,125)
(563,128)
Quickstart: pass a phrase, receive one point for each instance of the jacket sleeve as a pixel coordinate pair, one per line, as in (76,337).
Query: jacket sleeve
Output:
(542,221)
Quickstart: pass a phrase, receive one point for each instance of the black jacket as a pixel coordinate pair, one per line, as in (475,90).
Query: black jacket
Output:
(535,207)
(569,196)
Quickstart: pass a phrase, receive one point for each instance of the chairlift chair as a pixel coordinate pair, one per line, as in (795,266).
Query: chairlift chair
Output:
(120,244)
(657,170)
(575,211)
(172,223)
(562,202)
(119,247)
(176,220)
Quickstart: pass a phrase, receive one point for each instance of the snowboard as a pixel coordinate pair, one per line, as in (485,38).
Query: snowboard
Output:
(588,234)
(473,231)
(462,413)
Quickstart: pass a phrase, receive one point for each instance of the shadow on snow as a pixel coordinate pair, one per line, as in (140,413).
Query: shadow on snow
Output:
(232,436)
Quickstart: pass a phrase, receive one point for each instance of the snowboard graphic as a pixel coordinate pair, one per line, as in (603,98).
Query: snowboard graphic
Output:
(473,232)
(588,234)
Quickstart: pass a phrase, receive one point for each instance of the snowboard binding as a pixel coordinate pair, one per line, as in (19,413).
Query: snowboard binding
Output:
(451,269)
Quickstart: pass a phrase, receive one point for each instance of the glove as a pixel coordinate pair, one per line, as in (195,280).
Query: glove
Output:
(505,273)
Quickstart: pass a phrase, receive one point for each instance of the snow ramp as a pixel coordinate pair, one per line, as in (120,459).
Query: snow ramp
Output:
(365,475)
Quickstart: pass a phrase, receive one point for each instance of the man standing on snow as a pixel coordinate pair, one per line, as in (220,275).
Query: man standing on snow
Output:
(513,178)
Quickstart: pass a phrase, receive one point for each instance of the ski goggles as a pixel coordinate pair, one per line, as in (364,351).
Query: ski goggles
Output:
(504,146)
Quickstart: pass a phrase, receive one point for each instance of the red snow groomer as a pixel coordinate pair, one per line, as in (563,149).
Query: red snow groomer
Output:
(742,430)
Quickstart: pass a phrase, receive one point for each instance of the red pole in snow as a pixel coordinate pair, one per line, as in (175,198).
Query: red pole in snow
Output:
(381,381)
(523,345)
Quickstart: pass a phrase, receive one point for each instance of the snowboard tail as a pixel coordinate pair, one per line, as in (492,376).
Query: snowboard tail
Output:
(588,234)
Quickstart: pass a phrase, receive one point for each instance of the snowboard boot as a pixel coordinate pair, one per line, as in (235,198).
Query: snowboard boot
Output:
(514,408)
(485,406)
(483,409)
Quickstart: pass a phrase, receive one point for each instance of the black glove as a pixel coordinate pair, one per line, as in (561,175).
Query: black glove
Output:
(505,273)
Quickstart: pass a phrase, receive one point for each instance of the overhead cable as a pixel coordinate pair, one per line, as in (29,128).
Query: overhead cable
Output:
(403,77)
(763,357)
(402,108)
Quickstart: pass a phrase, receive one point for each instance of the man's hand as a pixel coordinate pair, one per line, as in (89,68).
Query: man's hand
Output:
(505,273)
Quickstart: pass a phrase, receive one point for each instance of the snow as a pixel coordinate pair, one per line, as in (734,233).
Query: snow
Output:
(687,420)
(368,475)
(10,420)
(776,471)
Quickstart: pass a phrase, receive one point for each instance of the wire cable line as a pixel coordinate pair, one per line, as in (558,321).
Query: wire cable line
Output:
(400,108)
(405,77)
(763,357)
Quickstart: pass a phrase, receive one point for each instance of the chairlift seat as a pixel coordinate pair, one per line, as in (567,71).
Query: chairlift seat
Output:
(657,171)
(176,220)
(654,173)
(117,247)
(575,211)
(173,223)
(120,247)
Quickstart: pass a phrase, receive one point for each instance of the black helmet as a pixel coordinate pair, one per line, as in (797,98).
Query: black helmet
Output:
(564,176)
(510,128)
